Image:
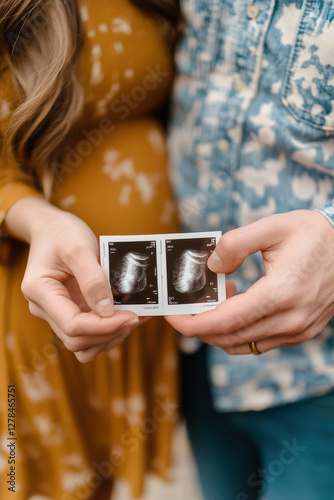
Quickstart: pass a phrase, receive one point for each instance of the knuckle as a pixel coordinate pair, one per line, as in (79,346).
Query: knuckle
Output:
(290,297)
(297,325)
(123,333)
(189,334)
(285,303)
(72,330)
(92,284)
(74,345)
(27,287)
(112,345)
(226,343)
(34,310)
(304,336)
(229,350)
(228,242)
(69,345)
(85,357)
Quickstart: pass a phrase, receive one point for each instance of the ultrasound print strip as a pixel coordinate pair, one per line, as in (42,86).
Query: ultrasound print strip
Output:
(162,274)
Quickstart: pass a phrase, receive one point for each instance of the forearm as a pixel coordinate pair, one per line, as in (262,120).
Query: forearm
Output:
(26,215)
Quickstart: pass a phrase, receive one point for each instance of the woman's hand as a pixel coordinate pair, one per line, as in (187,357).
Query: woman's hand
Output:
(292,303)
(64,283)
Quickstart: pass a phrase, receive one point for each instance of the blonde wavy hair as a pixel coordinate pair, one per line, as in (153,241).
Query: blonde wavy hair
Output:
(40,42)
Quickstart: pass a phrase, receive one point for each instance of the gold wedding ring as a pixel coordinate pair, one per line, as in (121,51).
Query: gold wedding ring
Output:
(253,348)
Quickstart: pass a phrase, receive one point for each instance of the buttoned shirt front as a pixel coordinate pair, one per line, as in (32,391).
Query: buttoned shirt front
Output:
(252,134)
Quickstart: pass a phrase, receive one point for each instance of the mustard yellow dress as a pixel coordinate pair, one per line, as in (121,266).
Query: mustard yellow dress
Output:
(79,427)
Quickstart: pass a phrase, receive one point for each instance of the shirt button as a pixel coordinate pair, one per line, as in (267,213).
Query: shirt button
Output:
(214,219)
(239,85)
(252,11)
(223,145)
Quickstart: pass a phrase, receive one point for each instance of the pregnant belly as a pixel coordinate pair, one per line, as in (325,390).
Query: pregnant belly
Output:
(117,182)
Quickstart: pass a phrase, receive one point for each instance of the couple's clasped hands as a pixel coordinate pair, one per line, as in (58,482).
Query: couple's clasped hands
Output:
(292,303)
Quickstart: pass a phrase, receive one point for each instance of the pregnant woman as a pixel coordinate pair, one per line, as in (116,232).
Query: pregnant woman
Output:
(82,154)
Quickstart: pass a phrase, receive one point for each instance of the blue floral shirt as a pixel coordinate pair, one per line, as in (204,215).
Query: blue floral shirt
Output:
(252,134)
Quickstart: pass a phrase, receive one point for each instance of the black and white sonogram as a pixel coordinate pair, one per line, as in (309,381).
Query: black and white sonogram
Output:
(189,280)
(133,272)
(162,274)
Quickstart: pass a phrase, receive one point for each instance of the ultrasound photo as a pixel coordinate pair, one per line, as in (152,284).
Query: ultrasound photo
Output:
(189,280)
(162,274)
(133,272)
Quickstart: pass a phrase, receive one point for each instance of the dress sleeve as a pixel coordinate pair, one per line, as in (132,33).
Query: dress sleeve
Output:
(14,183)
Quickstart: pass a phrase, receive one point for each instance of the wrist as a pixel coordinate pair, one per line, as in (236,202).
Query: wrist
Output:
(328,212)
(26,217)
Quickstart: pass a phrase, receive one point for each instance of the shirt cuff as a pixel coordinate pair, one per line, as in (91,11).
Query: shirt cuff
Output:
(328,211)
(10,194)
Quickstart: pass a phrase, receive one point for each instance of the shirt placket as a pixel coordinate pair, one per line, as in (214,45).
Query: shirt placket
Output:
(242,43)
(209,51)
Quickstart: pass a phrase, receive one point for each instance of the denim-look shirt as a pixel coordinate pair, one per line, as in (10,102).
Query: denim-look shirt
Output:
(252,134)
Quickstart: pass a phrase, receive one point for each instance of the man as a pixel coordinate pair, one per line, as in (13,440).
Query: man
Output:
(252,143)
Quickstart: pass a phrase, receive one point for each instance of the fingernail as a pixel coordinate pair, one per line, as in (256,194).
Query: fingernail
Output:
(105,307)
(214,262)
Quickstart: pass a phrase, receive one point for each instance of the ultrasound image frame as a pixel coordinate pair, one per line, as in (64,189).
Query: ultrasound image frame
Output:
(189,280)
(125,254)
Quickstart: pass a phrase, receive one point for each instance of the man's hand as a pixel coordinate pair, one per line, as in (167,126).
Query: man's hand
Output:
(289,305)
